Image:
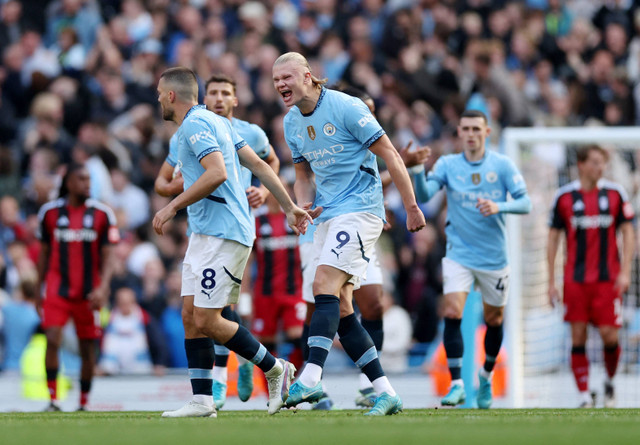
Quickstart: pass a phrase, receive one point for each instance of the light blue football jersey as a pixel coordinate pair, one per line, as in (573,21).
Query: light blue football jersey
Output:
(225,213)
(257,139)
(307,237)
(334,138)
(172,157)
(473,240)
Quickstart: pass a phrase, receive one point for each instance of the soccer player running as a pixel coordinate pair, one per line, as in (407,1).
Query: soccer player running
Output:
(589,211)
(220,97)
(477,182)
(335,137)
(75,265)
(209,153)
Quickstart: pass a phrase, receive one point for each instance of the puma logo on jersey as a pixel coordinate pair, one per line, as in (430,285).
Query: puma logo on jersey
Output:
(208,294)
(337,254)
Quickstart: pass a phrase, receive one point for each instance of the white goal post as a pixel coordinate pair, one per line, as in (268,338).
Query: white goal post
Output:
(529,275)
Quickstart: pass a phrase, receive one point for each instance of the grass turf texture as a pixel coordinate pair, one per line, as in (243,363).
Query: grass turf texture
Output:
(429,426)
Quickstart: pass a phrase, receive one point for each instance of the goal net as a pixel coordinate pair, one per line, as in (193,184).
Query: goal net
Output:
(538,340)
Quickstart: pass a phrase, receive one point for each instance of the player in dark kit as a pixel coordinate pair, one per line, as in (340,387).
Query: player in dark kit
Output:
(277,291)
(590,210)
(75,266)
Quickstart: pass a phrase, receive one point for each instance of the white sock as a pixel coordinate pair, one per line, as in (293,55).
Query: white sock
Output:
(457,382)
(381,384)
(276,370)
(203,399)
(311,375)
(483,372)
(220,374)
(364,381)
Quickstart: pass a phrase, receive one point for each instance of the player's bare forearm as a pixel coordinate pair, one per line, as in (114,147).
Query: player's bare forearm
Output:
(215,174)
(304,188)
(383,148)
(42,265)
(628,247)
(273,160)
(163,181)
(552,249)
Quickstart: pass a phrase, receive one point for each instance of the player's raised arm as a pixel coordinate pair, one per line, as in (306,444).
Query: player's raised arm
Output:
(383,148)
(296,217)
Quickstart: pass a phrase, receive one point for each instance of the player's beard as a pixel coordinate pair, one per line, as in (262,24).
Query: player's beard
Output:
(167,114)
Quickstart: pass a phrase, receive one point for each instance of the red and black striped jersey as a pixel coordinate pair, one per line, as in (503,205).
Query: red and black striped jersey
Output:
(75,236)
(277,256)
(590,219)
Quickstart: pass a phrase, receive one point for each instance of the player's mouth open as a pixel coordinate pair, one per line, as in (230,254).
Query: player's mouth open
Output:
(286,94)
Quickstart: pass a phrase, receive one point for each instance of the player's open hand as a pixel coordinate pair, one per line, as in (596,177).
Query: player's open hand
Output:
(411,158)
(622,283)
(487,207)
(98,297)
(313,213)
(554,296)
(256,196)
(415,219)
(298,219)
(163,215)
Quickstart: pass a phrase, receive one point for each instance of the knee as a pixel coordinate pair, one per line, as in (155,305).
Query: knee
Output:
(452,310)
(493,320)
(371,307)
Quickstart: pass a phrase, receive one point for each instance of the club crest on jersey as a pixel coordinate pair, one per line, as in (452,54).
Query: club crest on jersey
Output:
(603,203)
(312,132)
(87,221)
(491,177)
(329,129)
(475,178)
(627,210)
(266,230)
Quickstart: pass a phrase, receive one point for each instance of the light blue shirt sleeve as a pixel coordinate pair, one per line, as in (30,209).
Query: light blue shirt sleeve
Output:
(262,147)
(514,183)
(361,123)
(427,185)
(290,138)
(200,138)
(172,157)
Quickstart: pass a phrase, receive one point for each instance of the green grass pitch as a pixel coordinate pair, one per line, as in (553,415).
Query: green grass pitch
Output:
(426,426)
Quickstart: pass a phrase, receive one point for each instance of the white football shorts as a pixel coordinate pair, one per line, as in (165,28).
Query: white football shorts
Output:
(308,261)
(492,284)
(212,270)
(346,242)
(374,271)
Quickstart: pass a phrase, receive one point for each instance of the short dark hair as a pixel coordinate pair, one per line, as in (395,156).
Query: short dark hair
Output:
(71,169)
(356,92)
(475,113)
(220,78)
(184,81)
(582,153)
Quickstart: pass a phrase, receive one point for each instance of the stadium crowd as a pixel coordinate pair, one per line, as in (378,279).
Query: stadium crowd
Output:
(78,83)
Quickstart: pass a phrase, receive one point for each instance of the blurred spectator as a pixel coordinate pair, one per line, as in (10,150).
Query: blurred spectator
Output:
(20,321)
(397,336)
(130,202)
(129,339)
(82,15)
(171,321)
